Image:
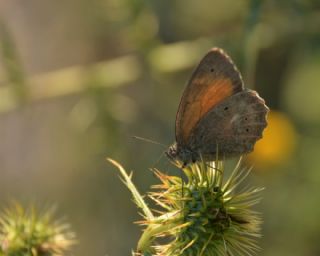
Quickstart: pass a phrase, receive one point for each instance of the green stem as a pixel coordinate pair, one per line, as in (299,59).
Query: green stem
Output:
(251,45)
(12,65)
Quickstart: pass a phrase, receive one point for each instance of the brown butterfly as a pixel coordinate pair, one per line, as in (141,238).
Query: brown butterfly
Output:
(217,116)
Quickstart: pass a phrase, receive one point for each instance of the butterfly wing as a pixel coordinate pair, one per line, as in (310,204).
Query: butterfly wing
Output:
(232,127)
(215,79)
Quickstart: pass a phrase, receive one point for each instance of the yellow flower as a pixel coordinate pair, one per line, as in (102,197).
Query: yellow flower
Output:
(278,142)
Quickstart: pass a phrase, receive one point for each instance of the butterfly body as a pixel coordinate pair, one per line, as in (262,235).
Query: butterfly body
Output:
(217,116)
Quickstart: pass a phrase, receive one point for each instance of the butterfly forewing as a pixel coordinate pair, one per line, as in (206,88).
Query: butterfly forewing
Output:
(215,79)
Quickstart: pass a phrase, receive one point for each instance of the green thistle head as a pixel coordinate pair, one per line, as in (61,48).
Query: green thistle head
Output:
(201,214)
(210,217)
(28,233)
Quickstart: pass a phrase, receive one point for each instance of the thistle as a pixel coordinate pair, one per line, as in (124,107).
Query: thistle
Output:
(201,214)
(24,232)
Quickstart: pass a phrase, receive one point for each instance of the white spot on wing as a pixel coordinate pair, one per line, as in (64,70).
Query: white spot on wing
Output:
(234,118)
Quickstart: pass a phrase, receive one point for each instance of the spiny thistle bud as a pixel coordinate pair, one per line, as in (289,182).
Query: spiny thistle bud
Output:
(201,215)
(24,232)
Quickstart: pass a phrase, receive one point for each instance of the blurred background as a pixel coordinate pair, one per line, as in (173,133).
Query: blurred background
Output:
(79,78)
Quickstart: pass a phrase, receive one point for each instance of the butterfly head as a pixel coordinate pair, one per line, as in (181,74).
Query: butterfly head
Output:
(180,156)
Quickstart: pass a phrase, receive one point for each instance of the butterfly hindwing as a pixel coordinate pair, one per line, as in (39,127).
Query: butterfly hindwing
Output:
(232,127)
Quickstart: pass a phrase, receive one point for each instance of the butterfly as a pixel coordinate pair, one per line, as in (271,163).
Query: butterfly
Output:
(217,117)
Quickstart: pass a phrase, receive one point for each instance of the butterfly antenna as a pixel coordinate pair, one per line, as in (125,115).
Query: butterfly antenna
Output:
(150,141)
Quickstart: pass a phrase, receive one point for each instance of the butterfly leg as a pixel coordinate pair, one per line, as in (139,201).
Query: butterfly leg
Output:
(184,164)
